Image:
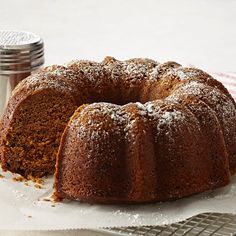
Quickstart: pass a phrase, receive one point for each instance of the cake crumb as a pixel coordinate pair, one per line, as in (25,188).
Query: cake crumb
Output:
(1,176)
(39,186)
(36,180)
(53,205)
(47,200)
(18,179)
(29,216)
(26,183)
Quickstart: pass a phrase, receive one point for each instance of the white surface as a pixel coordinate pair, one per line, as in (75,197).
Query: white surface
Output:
(24,208)
(200,32)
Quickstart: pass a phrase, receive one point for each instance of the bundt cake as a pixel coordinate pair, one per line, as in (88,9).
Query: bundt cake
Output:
(130,131)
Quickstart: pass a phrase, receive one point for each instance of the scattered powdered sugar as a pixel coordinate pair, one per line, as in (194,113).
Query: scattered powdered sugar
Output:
(92,73)
(181,74)
(117,116)
(154,74)
(187,74)
(150,107)
(129,125)
(142,108)
(184,73)
(55,77)
(104,110)
(221,104)
(81,131)
(215,94)
(146,109)
(133,71)
(192,87)
(202,91)
(169,117)
(136,71)
(97,134)
(125,119)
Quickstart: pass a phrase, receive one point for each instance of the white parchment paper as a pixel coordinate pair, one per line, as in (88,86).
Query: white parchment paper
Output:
(24,208)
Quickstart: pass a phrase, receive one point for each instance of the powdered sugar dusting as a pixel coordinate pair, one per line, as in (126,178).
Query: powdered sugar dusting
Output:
(134,70)
(102,109)
(191,88)
(142,108)
(150,107)
(164,114)
(187,74)
(184,73)
(124,118)
(170,119)
(168,116)
(154,75)
(221,104)
(218,101)
(124,74)
(53,77)
(93,73)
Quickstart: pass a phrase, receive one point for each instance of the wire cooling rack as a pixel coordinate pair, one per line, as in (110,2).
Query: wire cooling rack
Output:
(203,224)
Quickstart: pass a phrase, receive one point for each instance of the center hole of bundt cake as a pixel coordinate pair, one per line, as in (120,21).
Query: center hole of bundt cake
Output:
(123,96)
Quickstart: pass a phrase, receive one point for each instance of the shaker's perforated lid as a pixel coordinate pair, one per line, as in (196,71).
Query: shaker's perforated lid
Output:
(20,52)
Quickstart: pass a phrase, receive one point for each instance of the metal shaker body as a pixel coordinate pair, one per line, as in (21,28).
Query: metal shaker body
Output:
(21,53)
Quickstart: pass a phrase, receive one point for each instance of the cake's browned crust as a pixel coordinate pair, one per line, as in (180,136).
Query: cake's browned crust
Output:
(148,132)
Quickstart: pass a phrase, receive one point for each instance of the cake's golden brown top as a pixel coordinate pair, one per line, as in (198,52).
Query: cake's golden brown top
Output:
(124,81)
(137,83)
(135,80)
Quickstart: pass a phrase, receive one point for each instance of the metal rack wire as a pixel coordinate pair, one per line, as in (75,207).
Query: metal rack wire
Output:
(203,224)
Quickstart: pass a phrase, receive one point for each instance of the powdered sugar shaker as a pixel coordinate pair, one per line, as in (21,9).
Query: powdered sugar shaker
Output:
(21,53)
